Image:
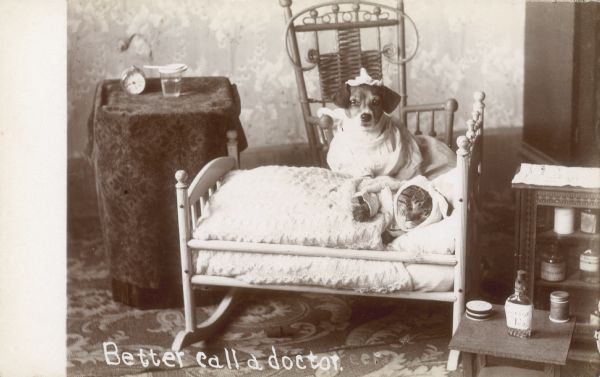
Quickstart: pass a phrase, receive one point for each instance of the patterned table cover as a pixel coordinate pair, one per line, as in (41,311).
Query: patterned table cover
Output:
(136,144)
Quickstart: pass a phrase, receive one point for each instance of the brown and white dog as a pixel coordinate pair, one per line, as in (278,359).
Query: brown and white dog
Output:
(367,141)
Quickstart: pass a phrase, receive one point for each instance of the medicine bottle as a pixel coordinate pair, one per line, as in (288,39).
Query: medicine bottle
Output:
(589,266)
(588,221)
(553,265)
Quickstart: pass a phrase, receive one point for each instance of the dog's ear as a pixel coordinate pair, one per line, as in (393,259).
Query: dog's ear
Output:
(390,99)
(342,97)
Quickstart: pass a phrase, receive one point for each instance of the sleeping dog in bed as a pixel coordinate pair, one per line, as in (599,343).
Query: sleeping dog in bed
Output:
(368,142)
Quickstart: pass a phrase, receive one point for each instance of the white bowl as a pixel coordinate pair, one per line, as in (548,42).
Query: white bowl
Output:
(172,68)
(168,68)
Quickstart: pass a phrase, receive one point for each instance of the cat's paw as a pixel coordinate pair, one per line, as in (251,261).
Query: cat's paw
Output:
(360,209)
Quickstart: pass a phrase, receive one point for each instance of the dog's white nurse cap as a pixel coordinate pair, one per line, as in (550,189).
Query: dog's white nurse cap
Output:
(363,79)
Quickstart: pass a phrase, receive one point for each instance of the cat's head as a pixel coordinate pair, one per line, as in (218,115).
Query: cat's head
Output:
(413,206)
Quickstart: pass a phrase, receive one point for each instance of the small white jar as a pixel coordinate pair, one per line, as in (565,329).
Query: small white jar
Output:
(564,220)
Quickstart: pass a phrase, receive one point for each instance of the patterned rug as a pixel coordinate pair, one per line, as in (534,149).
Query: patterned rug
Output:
(271,332)
(361,335)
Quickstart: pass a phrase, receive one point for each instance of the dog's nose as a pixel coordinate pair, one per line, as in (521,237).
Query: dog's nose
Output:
(366,117)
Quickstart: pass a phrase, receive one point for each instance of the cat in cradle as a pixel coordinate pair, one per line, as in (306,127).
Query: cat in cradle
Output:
(406,205)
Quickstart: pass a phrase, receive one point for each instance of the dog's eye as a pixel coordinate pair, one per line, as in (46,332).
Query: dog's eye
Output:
(375,102)
(353,102)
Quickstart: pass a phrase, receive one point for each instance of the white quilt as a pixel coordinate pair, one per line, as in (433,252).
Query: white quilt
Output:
(309,206)
(288,205)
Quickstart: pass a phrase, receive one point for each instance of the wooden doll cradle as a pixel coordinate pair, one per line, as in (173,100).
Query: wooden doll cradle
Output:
(192,198)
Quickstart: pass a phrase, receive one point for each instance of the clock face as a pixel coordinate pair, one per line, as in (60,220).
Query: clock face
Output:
(133,81)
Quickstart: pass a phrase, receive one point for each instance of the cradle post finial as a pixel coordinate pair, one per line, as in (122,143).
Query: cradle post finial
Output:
(478,105)
(231,136)
(463,145)
(479,96)
(285,3)
(181,176)
(470,134)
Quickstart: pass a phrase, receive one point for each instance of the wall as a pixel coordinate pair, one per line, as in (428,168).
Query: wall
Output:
(466,45)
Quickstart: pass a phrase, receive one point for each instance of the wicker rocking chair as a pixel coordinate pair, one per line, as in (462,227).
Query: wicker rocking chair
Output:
(350,21)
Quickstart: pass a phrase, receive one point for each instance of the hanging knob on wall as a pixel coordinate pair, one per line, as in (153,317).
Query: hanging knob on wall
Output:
(138,43)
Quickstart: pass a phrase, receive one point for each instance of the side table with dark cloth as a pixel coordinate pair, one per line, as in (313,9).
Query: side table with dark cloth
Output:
(136,144)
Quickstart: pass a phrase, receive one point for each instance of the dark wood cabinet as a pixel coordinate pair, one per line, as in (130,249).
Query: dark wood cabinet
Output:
(561,109)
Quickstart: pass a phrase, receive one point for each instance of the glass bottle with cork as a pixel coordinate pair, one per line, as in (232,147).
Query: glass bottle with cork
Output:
(589,265)
(553,266)
(589,221)
(519,309)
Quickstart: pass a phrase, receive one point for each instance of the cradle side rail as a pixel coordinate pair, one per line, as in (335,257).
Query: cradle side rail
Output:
(192,200)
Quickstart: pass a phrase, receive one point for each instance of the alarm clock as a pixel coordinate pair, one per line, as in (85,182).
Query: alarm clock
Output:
(133,80)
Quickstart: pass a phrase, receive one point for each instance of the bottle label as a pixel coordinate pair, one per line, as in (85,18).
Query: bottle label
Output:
(518,316)
(588,266)
(553,271)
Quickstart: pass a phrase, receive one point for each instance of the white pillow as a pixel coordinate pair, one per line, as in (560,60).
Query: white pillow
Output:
(446,185)
(436,238)
(431,277)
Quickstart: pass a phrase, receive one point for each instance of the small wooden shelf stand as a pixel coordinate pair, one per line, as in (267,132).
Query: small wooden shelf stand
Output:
(527,257)
(571,282)
(549,345)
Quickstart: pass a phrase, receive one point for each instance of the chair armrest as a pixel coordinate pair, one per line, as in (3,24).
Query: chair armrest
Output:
(323,126)
(450,105)
(313,120)
(449,108)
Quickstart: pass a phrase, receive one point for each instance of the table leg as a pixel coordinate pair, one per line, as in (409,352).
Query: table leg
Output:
(467,363)
(479,362)
(517,253)
(453,359)
(551,370)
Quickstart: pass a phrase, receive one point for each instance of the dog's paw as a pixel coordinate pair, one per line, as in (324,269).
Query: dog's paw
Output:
(360,209)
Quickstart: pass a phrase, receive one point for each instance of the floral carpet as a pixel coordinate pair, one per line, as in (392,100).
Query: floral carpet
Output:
(362,335)
(271,333)
(367,335)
